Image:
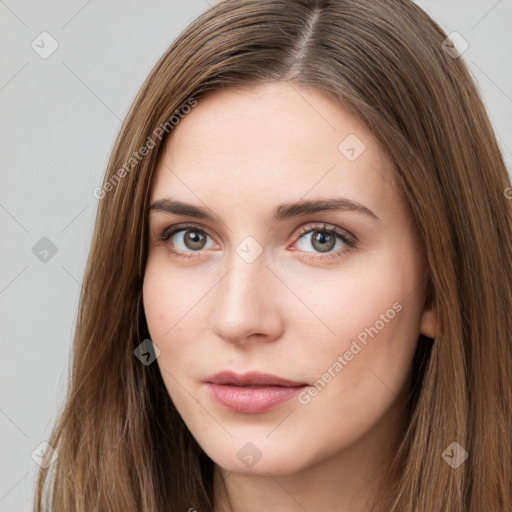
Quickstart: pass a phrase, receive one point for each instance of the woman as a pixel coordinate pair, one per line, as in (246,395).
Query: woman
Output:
(299,289)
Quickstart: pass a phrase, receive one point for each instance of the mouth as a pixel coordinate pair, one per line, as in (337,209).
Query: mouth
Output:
(252,392)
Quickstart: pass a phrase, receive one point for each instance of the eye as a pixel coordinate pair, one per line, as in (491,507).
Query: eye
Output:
(324,239)
(190,238)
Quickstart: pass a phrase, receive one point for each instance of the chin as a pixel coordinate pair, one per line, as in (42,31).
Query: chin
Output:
(259,458)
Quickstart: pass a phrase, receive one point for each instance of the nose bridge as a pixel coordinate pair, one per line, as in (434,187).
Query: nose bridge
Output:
(244,286)
(244,303)
(247,271)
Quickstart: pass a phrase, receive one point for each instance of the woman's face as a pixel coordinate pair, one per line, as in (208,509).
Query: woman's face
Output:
(295,257)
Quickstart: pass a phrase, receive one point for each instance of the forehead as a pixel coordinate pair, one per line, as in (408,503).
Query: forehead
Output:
(273,141)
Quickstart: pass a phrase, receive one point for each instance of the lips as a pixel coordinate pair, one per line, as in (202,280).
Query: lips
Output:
(252,392)
(253,379)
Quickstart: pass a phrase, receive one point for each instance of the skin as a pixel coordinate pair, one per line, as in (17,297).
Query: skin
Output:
(239,153)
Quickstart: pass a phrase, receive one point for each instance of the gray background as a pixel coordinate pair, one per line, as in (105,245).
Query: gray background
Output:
(59,118)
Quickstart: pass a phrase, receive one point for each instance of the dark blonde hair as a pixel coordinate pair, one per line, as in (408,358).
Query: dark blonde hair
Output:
(121,443)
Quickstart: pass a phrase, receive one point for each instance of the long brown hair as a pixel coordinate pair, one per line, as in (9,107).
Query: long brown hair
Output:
(121,443)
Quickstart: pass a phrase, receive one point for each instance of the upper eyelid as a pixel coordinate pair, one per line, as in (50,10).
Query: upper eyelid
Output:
(176,228)
(321,226)
(299,232)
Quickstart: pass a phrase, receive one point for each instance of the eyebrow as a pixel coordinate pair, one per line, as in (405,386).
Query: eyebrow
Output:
(281,212)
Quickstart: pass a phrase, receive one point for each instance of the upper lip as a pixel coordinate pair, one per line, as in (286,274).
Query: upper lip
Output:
(251,379)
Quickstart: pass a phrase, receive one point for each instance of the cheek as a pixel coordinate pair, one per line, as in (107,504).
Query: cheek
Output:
(171,299)
(156,301)
(174,314)
(369,318)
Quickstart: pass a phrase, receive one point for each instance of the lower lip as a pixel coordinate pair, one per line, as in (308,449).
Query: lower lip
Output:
(252,400)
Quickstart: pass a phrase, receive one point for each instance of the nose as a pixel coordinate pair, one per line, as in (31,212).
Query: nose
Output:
(247,303)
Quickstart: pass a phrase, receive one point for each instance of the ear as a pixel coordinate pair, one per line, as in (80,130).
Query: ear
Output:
(428,323)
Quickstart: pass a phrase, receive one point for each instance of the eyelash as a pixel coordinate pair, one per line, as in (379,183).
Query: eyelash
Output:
(349,240)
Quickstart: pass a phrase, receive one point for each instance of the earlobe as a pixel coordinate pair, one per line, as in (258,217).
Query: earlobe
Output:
(428,325)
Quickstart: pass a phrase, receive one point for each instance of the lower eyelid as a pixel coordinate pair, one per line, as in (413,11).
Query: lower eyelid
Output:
(338,237)
(184,230)
(167,234)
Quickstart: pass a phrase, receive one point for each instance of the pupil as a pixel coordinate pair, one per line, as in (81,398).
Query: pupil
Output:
(196,239)
(326,241)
